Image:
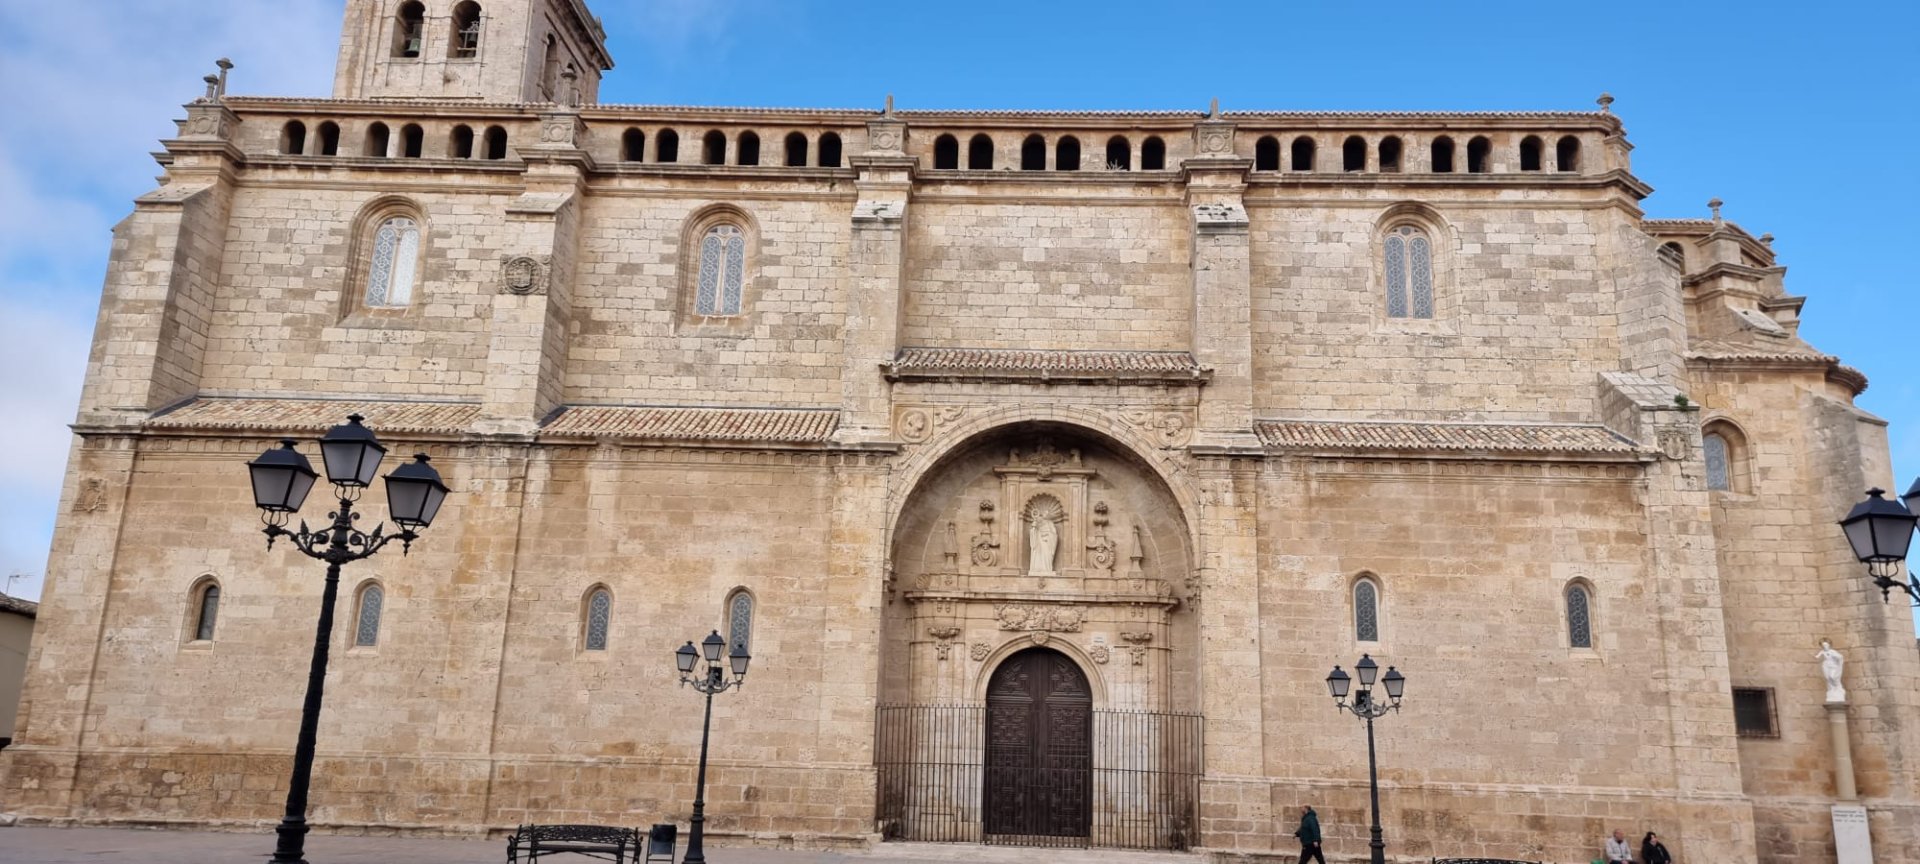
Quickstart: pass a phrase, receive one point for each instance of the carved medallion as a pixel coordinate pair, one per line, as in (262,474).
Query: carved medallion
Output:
(523,275)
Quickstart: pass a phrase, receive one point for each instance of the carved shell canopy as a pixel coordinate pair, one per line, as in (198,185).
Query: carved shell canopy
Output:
(953,490)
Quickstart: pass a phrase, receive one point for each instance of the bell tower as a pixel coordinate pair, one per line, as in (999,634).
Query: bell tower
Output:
(479,50)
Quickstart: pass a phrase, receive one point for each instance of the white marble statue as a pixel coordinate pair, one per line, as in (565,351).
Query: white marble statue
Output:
(1043,539)
(1830,665)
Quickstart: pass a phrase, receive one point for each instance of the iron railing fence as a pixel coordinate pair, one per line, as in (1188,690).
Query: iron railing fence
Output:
(1134,783)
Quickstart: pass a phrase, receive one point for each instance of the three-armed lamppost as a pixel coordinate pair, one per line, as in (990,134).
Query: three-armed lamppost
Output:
(1365,707)
(712,680)
(282,477)
(1880,531)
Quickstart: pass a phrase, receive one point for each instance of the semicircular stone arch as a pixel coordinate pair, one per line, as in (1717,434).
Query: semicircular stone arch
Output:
(1041,534)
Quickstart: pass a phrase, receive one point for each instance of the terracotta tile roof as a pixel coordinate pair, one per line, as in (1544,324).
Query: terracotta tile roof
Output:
(1779,351)
(316,415)
(789,425)
(990,363)
(1365,435)
(17,606)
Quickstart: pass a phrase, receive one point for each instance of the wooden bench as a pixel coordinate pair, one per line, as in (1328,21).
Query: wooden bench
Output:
(619,845)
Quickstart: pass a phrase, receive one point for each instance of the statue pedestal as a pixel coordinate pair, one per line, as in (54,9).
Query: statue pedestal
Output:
(1843,787)
(1850,838)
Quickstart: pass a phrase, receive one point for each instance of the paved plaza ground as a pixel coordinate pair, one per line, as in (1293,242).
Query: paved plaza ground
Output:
(36,845)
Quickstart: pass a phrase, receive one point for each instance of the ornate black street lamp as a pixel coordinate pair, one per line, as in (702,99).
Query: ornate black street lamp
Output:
(712,680)
(1365,707)
(1880,531)
(282,477)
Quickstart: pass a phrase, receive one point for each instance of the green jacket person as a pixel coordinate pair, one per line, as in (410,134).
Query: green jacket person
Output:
(1309,834)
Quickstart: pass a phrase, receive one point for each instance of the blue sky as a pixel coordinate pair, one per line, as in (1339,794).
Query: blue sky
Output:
(1801,116)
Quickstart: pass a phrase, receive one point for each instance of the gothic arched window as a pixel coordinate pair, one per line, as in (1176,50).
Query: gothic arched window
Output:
(366,619)
(723,266)
(740,622)
(599,619)
(1366,611)
(1409,273)
(206,609)
(1579,617)
(1719,462)
(395,263)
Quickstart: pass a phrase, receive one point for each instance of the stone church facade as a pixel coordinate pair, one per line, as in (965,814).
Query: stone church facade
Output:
(985,418)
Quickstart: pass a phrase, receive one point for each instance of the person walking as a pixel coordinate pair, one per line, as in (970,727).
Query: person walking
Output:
(1309,834)
(1652,851)
(1618,852)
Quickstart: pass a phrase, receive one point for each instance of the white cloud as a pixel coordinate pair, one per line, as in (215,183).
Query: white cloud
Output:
(92,85)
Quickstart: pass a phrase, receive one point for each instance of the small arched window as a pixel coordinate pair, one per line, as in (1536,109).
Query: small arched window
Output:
(1366,611)
(748,151)
(466,31)
(366,617)
(1066,154)
(1579,616)
(666,147)
(1478,151)
(293,138)
(460,142)
(1566,154)
(1442,155)
(496,143)
(1266,154)
(946,153)
(740,622)
(599,619)
(1353,154)
(206,609)
(796,150)
(633,145)
(1302,154)
(1033,154)
(329,138)
(830,150)
(713,148)
(1409,273)
(409,29)
(723,265)
(377,140)
(1153,154)
(395,261)
(980,153)
(1390,154)
(1724,450)
(1530,153)
(550,68)
(1119,154)
(413,141)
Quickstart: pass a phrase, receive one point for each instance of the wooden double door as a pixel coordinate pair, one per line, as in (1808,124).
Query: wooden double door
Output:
(1039,765)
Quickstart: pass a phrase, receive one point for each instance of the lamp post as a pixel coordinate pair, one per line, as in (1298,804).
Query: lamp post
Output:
(709,681)
(282,477)
(1365,707)
(1880,531)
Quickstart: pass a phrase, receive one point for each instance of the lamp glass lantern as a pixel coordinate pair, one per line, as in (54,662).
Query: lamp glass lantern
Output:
(1339,683)
(352,453)
(1912,498)
(1395,682)
(712,646)
(1879,530)
(685,657)
(415,493)
(1367,670)
(738,659)
(282,477)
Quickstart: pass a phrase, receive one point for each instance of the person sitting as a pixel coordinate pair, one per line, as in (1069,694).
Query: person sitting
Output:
(1652,851)
(1618,852)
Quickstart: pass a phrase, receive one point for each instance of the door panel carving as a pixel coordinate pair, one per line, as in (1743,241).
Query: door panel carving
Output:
(1039,747)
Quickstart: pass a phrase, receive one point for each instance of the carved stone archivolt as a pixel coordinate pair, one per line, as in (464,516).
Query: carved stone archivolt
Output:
(524,274)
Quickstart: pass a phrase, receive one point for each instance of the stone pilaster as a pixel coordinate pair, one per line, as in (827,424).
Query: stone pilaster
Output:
(851,610)
(533,303)
(1222,287)
(875,269)
(1228,594)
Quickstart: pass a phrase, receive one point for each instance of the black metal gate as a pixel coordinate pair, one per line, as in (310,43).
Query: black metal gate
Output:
(1142,790)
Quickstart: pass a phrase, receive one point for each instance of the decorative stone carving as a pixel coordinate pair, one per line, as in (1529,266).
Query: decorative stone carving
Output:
(1139,555)
(1058,619)
(1137,644)
(916,425)
(1040,637)
(1044,516)
(944,646)
(986,551)
(92,497)
(981,650)
(1045,458)
(952,552)
(1675,443)
(1831,665)
(1104,551)
(1100,654)
(523,274)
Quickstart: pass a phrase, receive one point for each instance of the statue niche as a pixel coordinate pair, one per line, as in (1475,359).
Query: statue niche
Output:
(1044,516)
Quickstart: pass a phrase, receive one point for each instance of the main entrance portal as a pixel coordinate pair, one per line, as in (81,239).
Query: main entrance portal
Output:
(1039,749)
